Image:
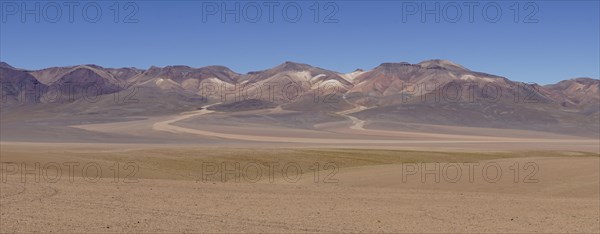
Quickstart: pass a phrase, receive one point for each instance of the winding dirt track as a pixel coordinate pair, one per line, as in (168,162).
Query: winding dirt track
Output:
(363,199)
(357,126)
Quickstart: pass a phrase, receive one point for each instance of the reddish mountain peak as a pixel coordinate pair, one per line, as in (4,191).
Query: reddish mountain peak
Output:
(389,65)
(218,68)
(293,66)
(440,63)
(5,65)
(565,84)
(586,81)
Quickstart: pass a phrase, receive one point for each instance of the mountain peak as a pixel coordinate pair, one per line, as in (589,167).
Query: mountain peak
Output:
(572,81)
(396,67)
(294,66)
(5,65)
(440,63)
(387,65)
(89,66)
(219,68)
(585,80)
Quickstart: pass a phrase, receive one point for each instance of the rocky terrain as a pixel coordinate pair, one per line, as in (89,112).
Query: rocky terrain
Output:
(431,92)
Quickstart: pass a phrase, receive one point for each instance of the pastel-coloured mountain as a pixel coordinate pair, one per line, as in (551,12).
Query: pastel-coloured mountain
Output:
(433,91)
(582,93)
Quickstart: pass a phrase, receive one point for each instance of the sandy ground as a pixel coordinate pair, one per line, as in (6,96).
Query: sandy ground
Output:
(367,180)
(352,135)
(358,127)
(548,194)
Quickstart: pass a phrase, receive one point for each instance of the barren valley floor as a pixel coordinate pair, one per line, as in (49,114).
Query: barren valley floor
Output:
(181,189)
(201,172)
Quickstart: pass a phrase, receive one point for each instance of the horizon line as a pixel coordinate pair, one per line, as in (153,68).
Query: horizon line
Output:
(287,61)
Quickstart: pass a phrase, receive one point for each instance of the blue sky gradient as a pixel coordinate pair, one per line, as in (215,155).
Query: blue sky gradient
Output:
(564,42)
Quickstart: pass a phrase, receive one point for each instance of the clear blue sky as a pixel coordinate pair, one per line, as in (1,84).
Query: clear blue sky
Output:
(564,43)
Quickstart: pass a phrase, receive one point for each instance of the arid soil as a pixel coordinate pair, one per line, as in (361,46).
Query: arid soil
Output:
(173,189)
(201,172)
(207,127)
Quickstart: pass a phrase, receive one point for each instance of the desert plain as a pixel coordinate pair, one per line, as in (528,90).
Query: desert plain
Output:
(177,161)
(338,178)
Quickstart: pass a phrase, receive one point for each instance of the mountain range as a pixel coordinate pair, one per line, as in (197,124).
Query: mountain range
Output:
(433,91)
